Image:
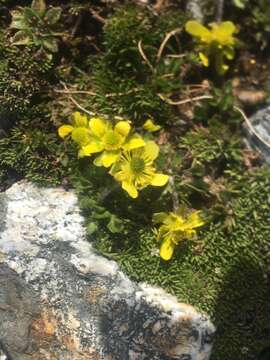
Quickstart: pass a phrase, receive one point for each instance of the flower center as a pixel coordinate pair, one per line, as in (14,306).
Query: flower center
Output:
(112,140)
(137,165)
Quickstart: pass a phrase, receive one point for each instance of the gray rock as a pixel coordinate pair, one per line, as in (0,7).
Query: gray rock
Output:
(261,124)
(194,8)
(3,355)
(3,211)
(60,300)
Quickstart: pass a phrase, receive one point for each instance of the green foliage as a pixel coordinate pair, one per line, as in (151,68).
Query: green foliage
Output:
(240,3)
(206,148)
(219,109)
(93,188)
(123,81)
(255,15)
(23,73)
(36,25)
(261,19)
(217,272)
(32,150)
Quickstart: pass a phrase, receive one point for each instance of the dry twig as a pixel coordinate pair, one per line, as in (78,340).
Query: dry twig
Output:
(97,16)
(166,39)
(75,102)
(145,57)
(68,91)
(185,101)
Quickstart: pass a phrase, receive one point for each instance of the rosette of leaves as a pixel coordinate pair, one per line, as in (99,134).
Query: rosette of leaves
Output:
(36,25)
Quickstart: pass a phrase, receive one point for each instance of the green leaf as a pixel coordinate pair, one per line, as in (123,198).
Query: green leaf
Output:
(91,228)
(30,16)
(39,6)
(159,217)
(53,15)
(51,45)
(115,225)
(240,3)
(21,38)
(229,53)
(17,20)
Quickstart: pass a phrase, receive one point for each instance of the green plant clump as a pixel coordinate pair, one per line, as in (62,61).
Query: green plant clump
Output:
(23,74)
(32,151)
(124,82)
(217,274)
(36,26)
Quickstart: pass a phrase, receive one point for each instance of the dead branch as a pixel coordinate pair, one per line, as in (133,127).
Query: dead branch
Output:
(166,39)
(185,101)
(145,57)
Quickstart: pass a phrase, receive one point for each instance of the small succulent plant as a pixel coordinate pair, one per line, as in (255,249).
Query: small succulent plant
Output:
(36,25)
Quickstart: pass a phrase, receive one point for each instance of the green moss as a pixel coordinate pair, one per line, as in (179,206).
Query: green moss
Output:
(123,81)
(223,273)
(24,72)
(33,150)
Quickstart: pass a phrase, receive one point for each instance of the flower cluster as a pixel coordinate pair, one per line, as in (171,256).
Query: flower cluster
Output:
(175,228)
(215,44)
(129,157)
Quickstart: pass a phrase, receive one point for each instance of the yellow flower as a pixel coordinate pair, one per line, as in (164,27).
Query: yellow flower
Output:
(135,169)
(221,33)
(150,126)
(174,229)
(109,140)
(217,42)
(79,129)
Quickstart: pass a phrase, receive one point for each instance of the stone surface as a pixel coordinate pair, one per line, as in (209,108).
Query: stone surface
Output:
(261,123)
(194,8)
(60,300)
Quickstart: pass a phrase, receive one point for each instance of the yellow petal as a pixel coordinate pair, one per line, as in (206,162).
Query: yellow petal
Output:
(198,30)
(80,135)
(90,148)
(227,27)
(98,126)
(159,180)
(109,157)
(134,142)
(65,130)
(223,33)
(204,59)
(166,249)
(151,151)
(194,220)
(130,189)
(150,126)
(98,161)
(123,127)
(79,119)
